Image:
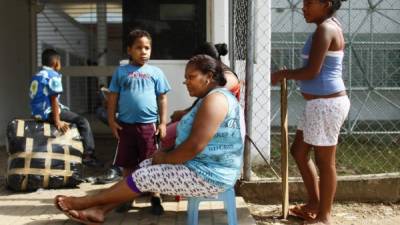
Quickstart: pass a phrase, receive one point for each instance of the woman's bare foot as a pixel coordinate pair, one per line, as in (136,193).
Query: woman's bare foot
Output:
(65,203)
(94,215)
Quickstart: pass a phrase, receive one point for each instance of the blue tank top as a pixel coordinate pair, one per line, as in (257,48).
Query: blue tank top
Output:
(221,160)
(329,80)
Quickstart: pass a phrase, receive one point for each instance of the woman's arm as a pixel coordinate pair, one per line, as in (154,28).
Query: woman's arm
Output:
(321,42)
(209,117)
(231,79)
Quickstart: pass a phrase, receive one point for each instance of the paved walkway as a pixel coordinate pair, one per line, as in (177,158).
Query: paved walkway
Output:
(37,209)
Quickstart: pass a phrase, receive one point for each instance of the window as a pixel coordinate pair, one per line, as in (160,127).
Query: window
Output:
(177,27)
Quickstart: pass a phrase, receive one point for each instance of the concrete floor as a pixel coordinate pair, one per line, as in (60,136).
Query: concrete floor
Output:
(37,208)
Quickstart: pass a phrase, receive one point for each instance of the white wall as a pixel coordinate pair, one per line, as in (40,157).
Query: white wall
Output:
(219,21)
(15,62)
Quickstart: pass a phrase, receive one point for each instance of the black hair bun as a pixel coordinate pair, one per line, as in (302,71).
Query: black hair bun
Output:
(344,0)
(222,49)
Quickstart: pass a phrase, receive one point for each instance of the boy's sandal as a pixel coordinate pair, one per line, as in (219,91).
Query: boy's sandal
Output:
(156,207)
(302,212)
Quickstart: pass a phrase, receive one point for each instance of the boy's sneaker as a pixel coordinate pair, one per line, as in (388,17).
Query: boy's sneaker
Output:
(156,207)
(124,207)
(91,161)
(112,175)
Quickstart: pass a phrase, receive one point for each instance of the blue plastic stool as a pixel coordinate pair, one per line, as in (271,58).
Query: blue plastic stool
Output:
(228,197)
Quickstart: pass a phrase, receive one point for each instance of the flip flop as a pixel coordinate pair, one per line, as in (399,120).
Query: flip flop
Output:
(302,212)
(79,220)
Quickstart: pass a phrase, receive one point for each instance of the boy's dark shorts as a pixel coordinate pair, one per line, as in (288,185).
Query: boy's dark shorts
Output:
(137,142)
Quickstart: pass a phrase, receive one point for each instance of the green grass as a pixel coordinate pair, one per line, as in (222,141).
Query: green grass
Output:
(356,154)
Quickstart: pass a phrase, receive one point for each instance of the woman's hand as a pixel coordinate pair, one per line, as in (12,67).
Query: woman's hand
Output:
(158,157)
(161,130)
(177,115)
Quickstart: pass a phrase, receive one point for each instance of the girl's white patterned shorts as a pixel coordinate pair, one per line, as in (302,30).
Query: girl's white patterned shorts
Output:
(322,119)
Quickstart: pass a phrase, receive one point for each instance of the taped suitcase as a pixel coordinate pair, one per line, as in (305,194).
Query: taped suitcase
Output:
(42,157)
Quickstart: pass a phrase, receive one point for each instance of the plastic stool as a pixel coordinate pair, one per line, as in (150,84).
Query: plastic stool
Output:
(228,197)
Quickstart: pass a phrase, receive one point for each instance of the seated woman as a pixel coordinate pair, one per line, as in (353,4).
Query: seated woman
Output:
(207,158)
(232,84)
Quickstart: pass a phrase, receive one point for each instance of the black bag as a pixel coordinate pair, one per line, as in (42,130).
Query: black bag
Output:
(42,157)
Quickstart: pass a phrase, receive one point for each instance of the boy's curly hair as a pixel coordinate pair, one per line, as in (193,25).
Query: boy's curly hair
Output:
(135,34)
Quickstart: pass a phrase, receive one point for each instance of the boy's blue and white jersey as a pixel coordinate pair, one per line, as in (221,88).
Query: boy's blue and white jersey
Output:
(138,88)
(46,83)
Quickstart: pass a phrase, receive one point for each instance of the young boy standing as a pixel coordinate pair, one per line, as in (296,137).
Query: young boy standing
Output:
(139,90)
(45,90)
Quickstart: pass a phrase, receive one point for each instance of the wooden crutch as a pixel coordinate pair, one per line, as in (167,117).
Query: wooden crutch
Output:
(284,149)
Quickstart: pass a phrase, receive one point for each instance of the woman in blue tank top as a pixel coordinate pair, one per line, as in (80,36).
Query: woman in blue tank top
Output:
(327,106)
(207,158)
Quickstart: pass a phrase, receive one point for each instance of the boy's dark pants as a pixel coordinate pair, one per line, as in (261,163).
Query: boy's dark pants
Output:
(83,128)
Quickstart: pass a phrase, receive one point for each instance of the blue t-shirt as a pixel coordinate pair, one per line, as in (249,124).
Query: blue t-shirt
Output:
(138,88)
(221,160)
(46,83)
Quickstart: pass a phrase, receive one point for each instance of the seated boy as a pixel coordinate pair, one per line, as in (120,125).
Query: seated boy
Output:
(45,90)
